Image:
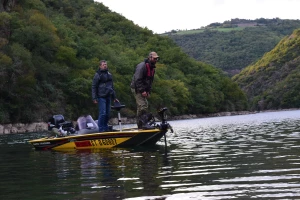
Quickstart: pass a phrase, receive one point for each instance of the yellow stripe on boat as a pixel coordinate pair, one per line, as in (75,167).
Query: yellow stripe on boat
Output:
(127,137)
(92,144)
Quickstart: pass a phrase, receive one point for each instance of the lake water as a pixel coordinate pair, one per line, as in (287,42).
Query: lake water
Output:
(254,156)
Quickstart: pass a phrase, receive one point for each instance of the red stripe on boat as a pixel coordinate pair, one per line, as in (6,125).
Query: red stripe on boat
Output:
(83,143)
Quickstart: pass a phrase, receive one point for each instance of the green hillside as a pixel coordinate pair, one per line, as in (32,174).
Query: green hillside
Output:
(235,44)
(274,80)
(49,52)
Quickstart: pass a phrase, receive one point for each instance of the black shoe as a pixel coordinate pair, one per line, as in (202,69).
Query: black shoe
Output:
(140,125)
(143,121)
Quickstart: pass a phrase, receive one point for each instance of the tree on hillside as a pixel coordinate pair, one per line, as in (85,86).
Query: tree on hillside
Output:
(274,79)
(52,51)
(234,49)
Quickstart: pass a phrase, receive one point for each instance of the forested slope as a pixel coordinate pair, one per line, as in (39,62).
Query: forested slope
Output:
(233,45)
(273,82)
(49,52)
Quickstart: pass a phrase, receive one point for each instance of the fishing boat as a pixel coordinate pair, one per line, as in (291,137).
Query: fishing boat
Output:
(87,136)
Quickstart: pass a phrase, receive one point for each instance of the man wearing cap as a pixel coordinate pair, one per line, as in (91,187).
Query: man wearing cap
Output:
(141,86)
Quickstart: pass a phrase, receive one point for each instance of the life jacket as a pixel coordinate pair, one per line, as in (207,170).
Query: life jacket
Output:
(150,71)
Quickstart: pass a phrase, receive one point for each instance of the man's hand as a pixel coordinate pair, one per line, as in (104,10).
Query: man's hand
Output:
(95,101)
(145,94)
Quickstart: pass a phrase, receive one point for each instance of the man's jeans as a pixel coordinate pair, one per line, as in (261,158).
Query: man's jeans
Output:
(104,112)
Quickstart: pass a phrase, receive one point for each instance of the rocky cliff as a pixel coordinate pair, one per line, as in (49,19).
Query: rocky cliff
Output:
(43,126)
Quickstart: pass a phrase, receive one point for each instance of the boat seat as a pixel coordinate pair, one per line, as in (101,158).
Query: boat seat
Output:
(86,122)
(117,106)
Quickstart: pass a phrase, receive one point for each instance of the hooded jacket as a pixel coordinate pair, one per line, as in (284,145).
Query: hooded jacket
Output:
(143,77)
(102,85)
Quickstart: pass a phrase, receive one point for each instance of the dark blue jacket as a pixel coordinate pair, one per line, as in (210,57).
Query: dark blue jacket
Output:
(102,85)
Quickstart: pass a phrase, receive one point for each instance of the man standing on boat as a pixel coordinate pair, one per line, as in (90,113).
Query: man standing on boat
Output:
(141,86)
(102,94)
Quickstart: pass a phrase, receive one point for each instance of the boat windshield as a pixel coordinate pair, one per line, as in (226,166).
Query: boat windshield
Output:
(86,122)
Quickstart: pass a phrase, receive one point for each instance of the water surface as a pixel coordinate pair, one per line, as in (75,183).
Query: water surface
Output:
(233,157)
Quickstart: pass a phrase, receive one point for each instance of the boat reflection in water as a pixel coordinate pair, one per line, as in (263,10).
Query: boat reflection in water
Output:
(106,173)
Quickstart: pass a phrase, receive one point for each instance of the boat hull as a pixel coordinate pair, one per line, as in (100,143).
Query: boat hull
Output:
(117,139)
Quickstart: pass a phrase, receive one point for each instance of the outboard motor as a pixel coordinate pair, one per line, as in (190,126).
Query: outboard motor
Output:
(61,126)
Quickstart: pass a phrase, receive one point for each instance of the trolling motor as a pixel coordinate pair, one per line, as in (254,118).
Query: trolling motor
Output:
(164,124)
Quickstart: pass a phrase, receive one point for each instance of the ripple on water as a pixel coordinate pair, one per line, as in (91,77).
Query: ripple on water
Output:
(241,157)
(258,160)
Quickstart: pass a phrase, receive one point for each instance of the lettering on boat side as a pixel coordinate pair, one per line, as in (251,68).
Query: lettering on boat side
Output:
(83,143)
(102,142)
(95,143)
(41,143)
